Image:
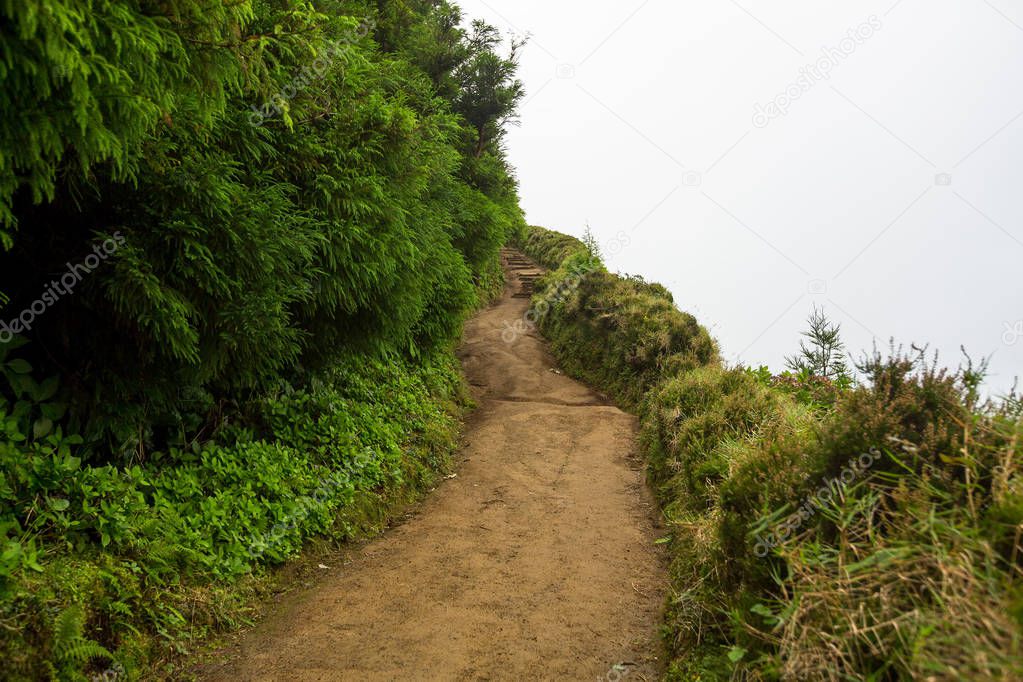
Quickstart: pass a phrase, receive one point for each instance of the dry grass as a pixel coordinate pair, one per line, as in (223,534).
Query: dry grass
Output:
(933,609)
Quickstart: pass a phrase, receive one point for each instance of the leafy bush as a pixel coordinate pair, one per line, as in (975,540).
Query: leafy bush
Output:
(126,546)
(239,243)
(286,182)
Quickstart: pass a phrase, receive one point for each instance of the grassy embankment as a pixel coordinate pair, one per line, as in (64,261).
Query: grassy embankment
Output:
(817,531)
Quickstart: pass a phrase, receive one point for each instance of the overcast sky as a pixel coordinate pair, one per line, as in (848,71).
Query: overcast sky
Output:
(766,157)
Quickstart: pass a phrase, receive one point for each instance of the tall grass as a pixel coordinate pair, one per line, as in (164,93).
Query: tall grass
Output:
(818,532)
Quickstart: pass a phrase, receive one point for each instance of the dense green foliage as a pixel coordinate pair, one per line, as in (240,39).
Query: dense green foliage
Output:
(131,549)
(239,240)
(279,180)
(820,529)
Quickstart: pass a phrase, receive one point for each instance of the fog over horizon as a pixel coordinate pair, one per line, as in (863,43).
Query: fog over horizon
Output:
(759,160)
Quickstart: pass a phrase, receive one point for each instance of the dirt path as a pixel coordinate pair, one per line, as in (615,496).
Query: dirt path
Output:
(536,562)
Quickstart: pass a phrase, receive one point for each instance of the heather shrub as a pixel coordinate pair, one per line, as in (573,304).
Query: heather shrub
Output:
(693,424)
(623,335)
(549,248)
(820,527)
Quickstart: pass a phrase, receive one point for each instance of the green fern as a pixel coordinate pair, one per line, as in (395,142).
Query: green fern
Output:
(72,650)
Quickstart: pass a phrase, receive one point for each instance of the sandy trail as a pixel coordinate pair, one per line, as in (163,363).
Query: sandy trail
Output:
(536,562)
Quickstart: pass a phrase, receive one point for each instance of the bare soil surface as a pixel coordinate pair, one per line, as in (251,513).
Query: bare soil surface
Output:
(536,562)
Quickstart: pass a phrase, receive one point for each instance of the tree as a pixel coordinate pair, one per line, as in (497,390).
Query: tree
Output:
(824,355)
(489,92)
(592,245)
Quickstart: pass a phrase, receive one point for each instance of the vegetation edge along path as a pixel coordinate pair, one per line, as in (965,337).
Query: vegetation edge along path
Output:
(536,561)
(821,524)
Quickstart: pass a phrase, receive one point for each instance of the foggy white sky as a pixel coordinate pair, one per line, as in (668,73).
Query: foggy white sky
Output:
(640,119)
